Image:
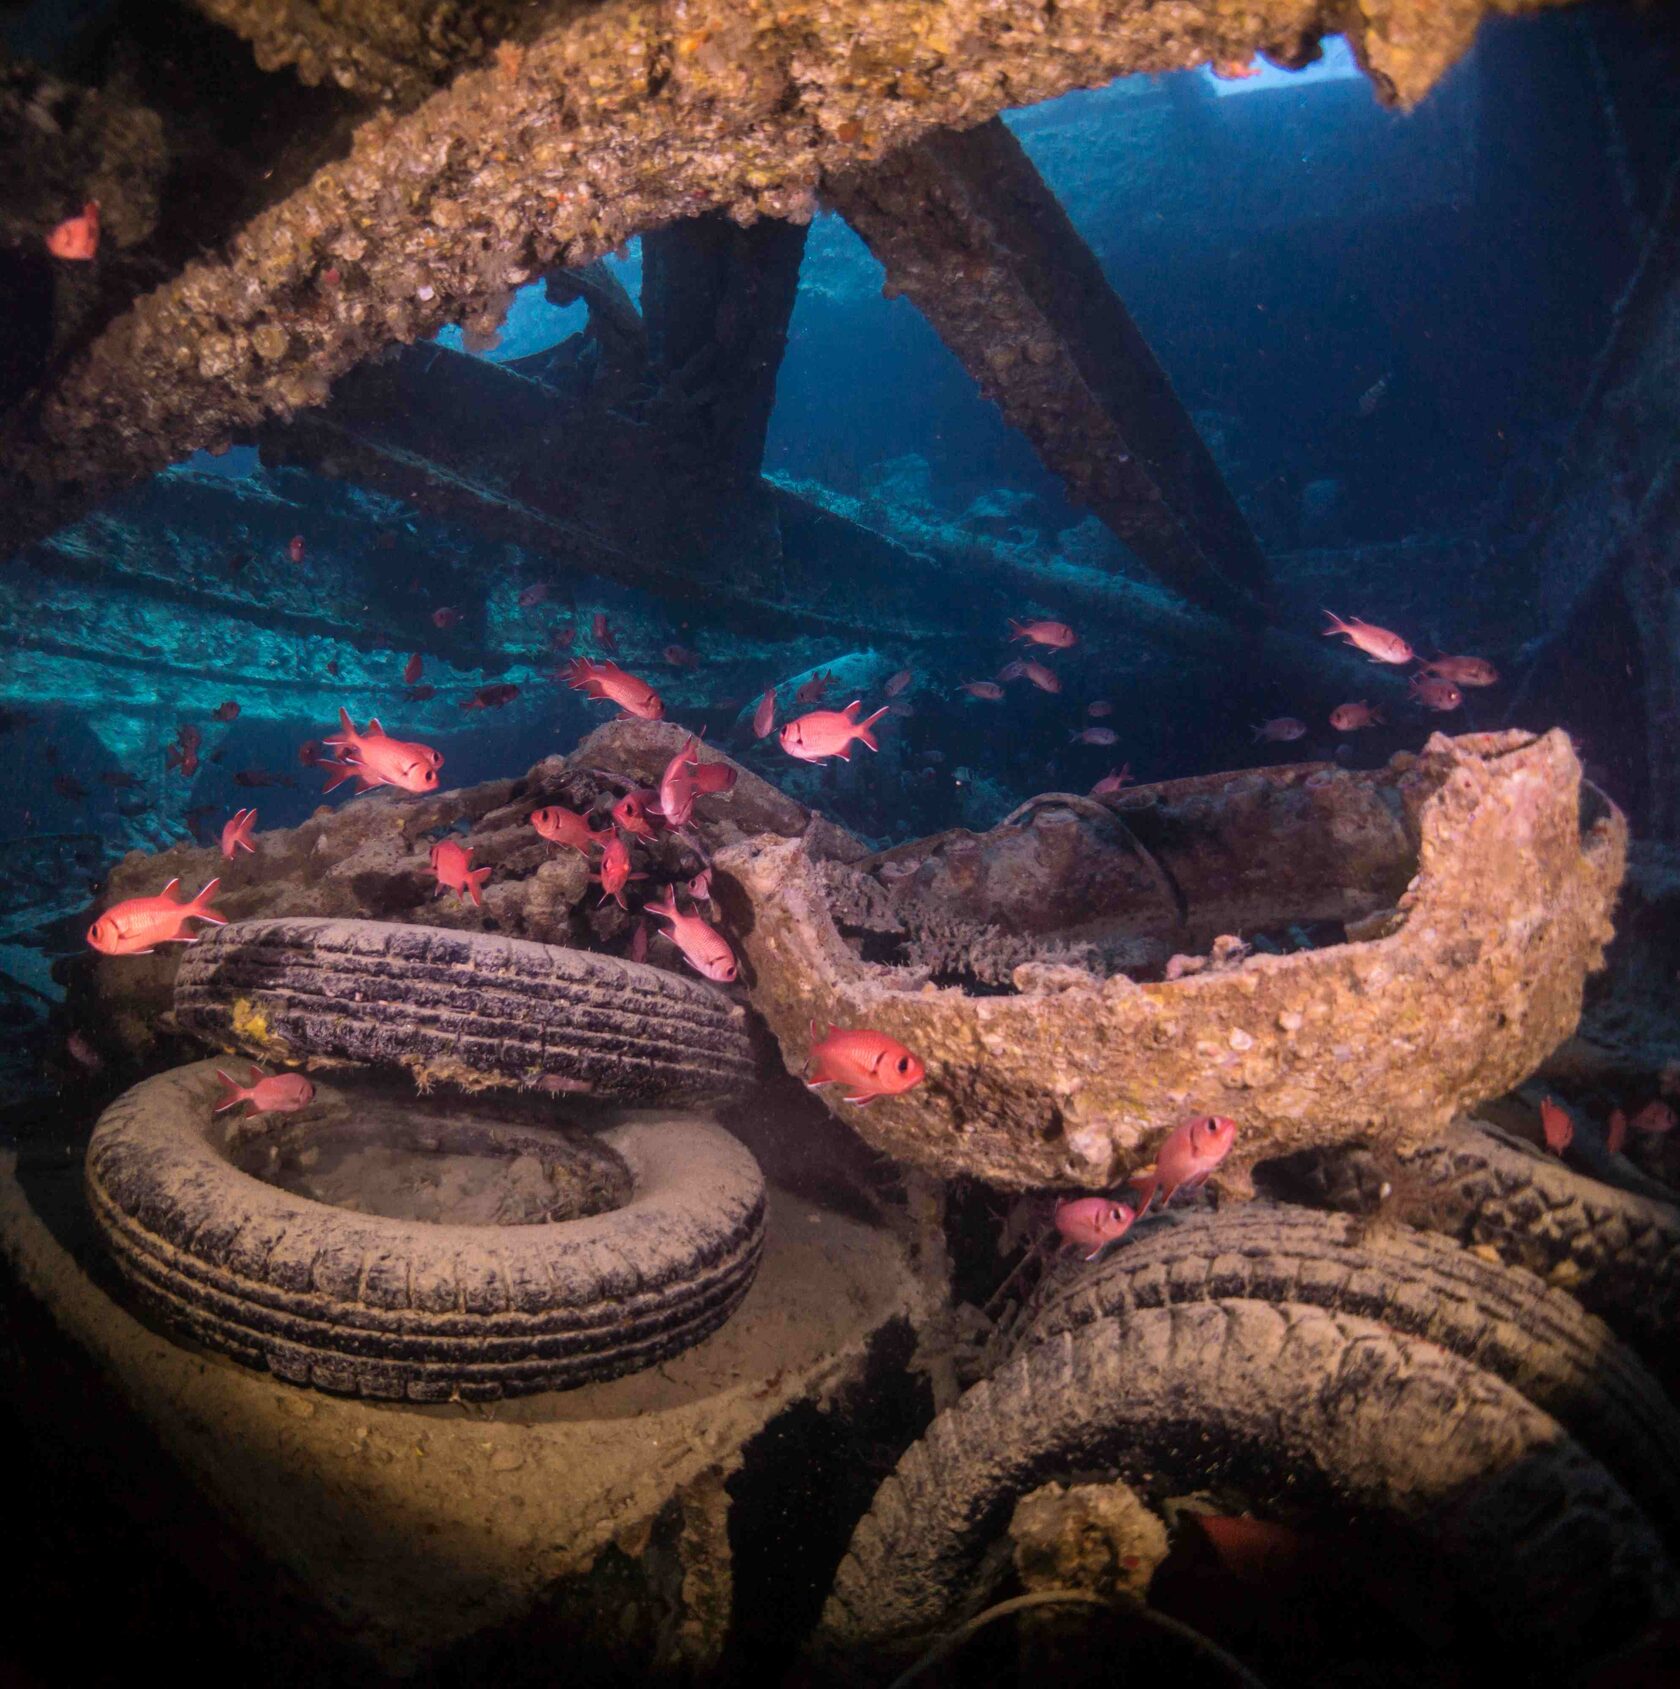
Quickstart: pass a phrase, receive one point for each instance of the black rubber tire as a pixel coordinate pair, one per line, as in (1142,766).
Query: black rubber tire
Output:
(1616,1252)
(464,1008)
(1500,1319)
(1344,1412)
(363,1304)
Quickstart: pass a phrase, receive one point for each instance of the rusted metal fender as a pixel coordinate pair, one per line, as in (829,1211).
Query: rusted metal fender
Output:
(1499,874)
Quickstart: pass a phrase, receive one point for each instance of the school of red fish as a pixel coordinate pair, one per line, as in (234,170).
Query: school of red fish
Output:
(864,1062)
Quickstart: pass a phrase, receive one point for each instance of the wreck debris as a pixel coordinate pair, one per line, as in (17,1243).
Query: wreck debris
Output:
(968,231)
(1073,1080)
(622,118)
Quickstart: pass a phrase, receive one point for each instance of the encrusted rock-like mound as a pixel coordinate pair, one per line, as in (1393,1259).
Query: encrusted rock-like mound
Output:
(1320,953)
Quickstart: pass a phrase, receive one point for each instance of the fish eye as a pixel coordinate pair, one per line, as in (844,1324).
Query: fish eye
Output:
(903,1064)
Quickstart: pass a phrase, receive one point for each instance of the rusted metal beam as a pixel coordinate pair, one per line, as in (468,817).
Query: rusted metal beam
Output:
(616,120)
(968,231)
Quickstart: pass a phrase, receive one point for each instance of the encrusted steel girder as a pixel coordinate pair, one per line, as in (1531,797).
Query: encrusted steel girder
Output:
(968,231)
(622,118)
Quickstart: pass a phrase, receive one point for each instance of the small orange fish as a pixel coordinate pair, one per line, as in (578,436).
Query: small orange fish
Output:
(565,827)
(1112,781)
(295,548)
(1349,718)
(764,717)
(680,657)
(1093,1222)
(1463,671)
(236,835)
(1099,707)
(1655,1117)
(603,633)
(412,669)
(375,759)
(228,711)
(1189,1155)
(829,733)
(452,863)
(1253,1550)
(1434,693)
(1615,1132)
(533,595)
(1556,1125)
(265,1093)
(492,697)
(713,777)
(1234,70)
(633,812)
(705,948)
(1094,736)
(898,682)
(615,872)
(1281,729)
(1058,636)
(77,238)
(987,689)
(1377,643)
(865,1063)
(607,680)
(814,688)
(445,617)
(138,925)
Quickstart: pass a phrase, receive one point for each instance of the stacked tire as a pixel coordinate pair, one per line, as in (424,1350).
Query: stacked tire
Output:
(383,1306)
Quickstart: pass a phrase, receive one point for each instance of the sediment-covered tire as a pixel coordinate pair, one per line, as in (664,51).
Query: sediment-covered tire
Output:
(1616,1252)
(1339,1410)
(1501,1319)
(464,1008)
(368,1305)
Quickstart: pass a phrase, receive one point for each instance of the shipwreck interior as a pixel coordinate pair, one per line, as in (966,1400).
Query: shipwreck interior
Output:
(708,976)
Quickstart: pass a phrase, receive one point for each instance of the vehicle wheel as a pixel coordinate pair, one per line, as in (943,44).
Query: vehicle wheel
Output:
(1500,1319)
(1615,1251)
(464,1008)
(371,1305)
(1308,1408)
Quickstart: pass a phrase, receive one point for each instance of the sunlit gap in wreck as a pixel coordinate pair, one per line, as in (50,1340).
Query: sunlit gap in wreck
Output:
(843,888)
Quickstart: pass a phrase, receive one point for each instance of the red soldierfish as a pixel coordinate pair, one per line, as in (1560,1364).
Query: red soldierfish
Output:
(295,548)
(1046,680)
(829,733)
(452,863)
(1655,1117)
(413,669)
(77,237)
(1112,781)
(1349,718)
(1463,671)
(677,786)
(492,697)
(607,680)
(705,948)
(135,927)
(603,634)
(1191,1152)
(1434,693)
(1058,636)
(1556,1125)
(987,689)
(764,717)
(1377,643)
(374,759)
(565,827)
(866,1064)
(814,688)
(236,835)
(228,711)
(1093,1222)
(710,777)
(275,1093)
(615,870)
(1281,729)
(633,811)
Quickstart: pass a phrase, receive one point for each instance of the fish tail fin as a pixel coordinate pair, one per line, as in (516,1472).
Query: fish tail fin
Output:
(200,905)
(1146,1183)
(864,726)
(475,879)
(1337,625)
(1377,715)
(1016,630)
(233,1096)
(342,771)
